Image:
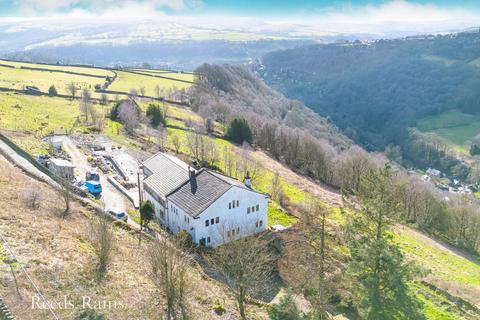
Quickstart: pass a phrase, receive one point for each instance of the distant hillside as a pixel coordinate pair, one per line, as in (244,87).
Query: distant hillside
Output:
(375,91)
(241,92)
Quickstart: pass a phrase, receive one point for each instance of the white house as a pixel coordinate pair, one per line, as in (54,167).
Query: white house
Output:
(162,173)
(213,208)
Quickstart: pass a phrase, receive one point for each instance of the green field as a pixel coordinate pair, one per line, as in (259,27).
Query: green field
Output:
(87,70)
(17,78)
(184,76)
(127,81)
(20,78)
(446,269)
(27,119)
(36,114)
(453,125)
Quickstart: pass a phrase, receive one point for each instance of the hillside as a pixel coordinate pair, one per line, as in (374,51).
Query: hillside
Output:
(241,92)
(58,255)
(375,91)
(185,135)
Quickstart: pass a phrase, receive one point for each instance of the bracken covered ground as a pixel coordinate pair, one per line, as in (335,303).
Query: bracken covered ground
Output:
(58,256)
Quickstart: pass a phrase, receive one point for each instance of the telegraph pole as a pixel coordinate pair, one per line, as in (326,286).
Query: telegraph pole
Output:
(140,200)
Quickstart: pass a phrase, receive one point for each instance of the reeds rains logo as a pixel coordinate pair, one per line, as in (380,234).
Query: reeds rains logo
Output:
(85,302)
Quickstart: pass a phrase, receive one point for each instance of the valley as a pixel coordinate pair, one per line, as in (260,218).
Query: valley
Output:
(425,82)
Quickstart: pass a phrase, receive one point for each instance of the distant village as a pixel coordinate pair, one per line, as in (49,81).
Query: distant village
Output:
(447,184)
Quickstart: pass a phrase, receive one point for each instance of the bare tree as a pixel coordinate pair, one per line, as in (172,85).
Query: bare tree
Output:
(308,264)
(102,238)
(103,99)
(72,89)
(228,161)
(133,93)
(129,116)
(66,192)
(246,267)
(221,112)
(161,134)
(98,119)
(169,273)
(354,164)
(85,103)
(176,143)
(157,91)
(33,197)
(276,190)
(142,91)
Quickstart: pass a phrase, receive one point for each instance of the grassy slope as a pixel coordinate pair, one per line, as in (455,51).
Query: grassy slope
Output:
(447,269)
(59,257)
(36,116)
(169,74)
(93,71)
(295,191)
(17,78)
(127,81)
(453,125)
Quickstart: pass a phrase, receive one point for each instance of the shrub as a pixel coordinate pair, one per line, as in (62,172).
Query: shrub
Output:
(89,314)
(114,111)
(474,150)
(239,131)
(185,239)
(147,211)
(286,309)
(155,115)
(52,91)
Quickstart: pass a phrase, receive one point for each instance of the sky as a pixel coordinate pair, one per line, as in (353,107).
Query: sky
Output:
(362,11)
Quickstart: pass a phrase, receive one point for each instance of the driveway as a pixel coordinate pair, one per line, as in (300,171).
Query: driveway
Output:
(112,198)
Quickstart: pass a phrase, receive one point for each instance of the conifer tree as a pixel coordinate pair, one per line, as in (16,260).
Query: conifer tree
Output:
(378,268)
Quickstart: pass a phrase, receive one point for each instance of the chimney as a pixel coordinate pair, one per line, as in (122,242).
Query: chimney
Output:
(191,172)
(247,181)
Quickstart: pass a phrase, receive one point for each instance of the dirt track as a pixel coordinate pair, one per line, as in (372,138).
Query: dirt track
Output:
(324,193)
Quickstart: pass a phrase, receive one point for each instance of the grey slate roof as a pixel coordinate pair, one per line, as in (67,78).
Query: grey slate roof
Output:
(197,194)
(168,173)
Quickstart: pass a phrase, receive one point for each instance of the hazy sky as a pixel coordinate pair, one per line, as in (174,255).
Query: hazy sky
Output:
(282,10)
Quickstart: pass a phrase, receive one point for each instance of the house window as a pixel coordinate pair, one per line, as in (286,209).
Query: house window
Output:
(248,210)
(217,219)
(256,224)
(253,209)
(233,203)
(208,239)
(212,221)
(258,207)
(206,223)
(238,230)
(233,232)
(238,203)
(228,233)
(230,205)
(261,223)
